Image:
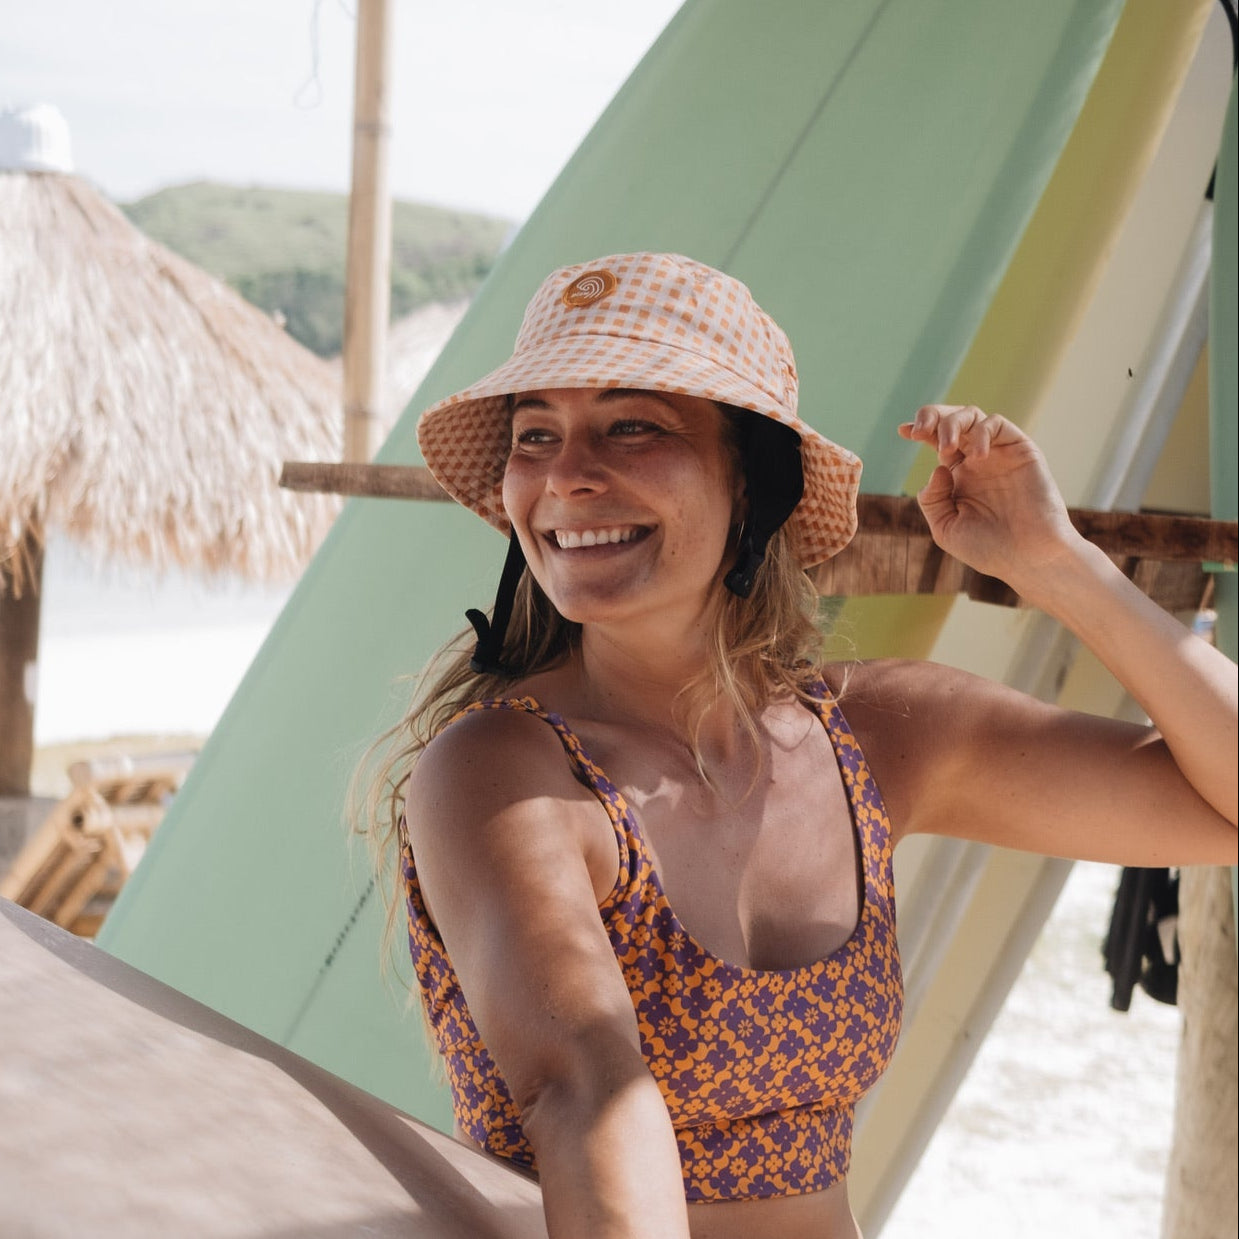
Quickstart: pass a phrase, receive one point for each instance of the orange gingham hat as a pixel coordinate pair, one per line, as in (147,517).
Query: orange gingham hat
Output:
(652,322)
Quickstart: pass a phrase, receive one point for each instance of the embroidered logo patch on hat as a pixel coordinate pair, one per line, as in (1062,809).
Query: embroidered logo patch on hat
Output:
(590,287)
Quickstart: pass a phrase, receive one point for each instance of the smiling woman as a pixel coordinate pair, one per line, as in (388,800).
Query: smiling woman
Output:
(645,855)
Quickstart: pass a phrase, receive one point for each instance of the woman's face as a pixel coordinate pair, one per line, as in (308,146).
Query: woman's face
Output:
(622,500)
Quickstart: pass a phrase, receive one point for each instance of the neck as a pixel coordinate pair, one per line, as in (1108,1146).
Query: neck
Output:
(624,678)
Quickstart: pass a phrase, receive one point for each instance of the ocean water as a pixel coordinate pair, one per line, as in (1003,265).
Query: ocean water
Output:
(1062,1126)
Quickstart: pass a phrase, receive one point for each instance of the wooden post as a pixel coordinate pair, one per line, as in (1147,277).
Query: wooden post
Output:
(19,654)
(367,292)
(1201,1182)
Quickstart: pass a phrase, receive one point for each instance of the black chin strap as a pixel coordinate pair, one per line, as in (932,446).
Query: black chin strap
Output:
(774,484)
(491,632)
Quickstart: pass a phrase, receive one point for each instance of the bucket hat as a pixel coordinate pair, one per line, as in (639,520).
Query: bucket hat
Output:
(652,322)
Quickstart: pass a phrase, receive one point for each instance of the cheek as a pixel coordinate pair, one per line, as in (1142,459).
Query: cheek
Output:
(513,493)
(707,520)
(727,484)
(517,494)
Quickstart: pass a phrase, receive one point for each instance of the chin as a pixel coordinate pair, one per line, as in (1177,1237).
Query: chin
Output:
(577,610)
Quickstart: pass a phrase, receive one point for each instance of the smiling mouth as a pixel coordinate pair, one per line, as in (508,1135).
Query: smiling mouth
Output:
(571,539)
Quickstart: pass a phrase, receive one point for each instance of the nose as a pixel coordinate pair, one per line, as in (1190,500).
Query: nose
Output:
(577,467)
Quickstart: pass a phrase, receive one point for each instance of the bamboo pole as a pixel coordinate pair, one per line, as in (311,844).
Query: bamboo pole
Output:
(367,292)
(19,660)
(363,480)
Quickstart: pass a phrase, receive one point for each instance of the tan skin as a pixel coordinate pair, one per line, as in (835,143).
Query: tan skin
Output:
(514,855)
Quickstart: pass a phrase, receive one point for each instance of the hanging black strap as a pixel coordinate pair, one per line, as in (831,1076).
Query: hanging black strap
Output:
(1142,923)
(774,484)
(488,652)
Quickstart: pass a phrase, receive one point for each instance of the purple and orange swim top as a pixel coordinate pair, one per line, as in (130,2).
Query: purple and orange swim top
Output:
(760,1070)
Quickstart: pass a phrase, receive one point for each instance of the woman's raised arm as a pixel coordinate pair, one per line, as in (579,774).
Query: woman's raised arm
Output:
(512,855)
(992,503)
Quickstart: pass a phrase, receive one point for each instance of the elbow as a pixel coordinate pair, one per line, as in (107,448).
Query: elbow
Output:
(605,1149)
(581,1082)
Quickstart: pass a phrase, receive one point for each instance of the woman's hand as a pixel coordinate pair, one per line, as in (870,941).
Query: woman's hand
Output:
(991,502)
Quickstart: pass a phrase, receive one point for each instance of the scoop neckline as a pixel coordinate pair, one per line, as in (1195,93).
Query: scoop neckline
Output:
(624,812)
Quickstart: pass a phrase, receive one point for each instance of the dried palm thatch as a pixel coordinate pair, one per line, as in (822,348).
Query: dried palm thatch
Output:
(145,408)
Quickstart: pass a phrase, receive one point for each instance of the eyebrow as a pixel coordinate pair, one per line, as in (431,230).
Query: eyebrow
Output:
(622,393)
(605,396)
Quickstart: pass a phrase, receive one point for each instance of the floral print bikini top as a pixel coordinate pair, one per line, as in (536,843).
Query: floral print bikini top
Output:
(760,1070)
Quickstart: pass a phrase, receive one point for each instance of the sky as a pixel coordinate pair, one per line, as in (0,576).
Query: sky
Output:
(489,98)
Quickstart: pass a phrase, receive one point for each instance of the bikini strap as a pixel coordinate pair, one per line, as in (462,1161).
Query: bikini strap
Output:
(572,745)
(865,797)
(633,858)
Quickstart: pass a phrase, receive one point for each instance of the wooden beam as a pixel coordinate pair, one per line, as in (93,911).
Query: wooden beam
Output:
(893,552)
(1151,535)
(362,480)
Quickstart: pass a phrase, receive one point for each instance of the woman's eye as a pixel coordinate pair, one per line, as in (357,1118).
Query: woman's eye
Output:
(531,436)
(633,426)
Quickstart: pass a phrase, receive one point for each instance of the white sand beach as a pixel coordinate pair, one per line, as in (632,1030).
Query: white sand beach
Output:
(1063,1125)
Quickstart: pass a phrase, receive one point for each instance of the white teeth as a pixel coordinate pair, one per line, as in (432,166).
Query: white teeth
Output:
(570,539)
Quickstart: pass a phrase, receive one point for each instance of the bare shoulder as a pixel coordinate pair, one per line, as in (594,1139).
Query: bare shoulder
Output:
(488,761)
(494,791)
(959,755)
(924,727)
(900,693)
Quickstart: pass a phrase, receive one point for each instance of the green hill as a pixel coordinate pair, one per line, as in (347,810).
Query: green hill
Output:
(284,250)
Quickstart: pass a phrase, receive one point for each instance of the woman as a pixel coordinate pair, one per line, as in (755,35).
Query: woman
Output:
(648,868)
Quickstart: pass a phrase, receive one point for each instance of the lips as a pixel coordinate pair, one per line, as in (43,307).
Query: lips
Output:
(572,539)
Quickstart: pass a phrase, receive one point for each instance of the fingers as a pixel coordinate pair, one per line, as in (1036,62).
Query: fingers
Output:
(937,498)
(957,432)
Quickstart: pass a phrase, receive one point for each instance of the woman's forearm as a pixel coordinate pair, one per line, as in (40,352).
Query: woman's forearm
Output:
(1187,687)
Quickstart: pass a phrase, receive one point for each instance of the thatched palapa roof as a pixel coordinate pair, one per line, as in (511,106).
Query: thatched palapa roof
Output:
(145,408)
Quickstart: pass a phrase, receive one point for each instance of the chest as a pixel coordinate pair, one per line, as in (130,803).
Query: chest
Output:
(761,867)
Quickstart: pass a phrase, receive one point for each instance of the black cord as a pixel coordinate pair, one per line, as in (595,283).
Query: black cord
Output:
(488,653)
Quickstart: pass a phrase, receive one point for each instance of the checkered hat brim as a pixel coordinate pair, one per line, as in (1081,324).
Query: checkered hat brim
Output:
(652,322)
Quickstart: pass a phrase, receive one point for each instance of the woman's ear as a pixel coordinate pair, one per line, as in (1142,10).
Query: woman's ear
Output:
(739,500)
